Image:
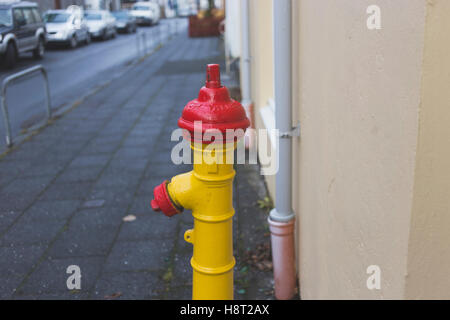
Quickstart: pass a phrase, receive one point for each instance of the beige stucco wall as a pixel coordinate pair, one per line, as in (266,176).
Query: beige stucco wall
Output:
(359,98)
(262,62)
(429,247)
(372,167)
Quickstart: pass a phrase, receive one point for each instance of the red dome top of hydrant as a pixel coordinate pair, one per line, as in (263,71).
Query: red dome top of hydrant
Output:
(214,110)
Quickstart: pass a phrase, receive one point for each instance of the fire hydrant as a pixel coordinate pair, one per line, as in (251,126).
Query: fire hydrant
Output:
(208,190)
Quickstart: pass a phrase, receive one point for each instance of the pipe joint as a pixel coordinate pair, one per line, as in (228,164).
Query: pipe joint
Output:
(281,216)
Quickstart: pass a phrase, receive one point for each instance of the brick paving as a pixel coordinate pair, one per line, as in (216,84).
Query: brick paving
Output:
(65,191)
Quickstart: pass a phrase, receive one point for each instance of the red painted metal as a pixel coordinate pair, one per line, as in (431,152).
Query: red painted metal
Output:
(162,201)
(214,108)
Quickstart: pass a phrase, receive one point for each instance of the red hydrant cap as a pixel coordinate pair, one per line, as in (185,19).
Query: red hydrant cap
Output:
(162,201)
(214,108)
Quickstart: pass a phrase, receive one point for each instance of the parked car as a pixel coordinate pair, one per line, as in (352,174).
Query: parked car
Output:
(125,22)
(21,30)
(147,13)
(66,26)
(101,24)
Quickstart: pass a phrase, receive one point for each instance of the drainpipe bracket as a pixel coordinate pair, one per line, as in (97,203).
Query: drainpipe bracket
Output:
(295,132)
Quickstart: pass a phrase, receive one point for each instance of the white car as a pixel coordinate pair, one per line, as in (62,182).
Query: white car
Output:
(66,26)
(147,13)
(101,24)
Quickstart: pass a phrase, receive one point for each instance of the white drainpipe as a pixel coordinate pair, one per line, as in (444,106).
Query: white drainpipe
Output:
(282,218)
(246,65)
(246,76)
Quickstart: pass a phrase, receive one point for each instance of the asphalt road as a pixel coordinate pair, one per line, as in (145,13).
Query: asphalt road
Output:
(72,73)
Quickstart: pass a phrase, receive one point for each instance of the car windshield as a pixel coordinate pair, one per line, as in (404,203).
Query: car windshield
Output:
(93,16)
(120,15)
(5,18)
(56,17)
(141,8)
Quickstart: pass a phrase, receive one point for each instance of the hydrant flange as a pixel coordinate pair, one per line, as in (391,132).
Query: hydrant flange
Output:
(163,202)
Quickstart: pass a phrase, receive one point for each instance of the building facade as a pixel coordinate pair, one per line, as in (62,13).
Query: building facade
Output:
(87,4)
(45,5)
(371,169)
(111,5)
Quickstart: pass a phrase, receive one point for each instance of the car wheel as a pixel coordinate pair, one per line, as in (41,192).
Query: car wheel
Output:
(10,56)
(88,38)
(114,33)
(129,29)
(38,53)
(104,35)
(73,43)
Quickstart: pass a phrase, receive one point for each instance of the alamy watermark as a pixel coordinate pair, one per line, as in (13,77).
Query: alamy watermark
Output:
(74,280)
(216,148)
(374,280)
(374,20)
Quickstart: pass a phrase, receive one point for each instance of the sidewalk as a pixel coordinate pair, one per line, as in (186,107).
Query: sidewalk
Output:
(64,194)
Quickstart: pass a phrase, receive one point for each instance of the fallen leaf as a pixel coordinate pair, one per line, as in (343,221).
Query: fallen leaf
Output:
(168,275)
(260,258)
(129,218)
(114,295)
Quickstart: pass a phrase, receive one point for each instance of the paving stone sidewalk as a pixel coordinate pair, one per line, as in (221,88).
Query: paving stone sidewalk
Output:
(64,194)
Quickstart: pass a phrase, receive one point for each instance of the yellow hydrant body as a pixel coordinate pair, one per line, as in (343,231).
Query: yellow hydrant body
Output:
(208,189)
(208,192)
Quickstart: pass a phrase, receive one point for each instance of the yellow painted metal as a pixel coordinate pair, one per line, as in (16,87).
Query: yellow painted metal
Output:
(208,192)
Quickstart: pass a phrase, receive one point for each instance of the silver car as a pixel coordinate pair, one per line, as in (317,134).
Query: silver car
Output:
(147,12)
(21,30)
(101,24)
(65,26)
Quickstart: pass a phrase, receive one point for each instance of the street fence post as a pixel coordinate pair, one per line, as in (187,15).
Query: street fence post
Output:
(167,33)
(12,78)
(138,45)
(144,40)
(152,35)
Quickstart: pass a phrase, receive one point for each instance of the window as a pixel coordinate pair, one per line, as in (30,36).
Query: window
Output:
(5,18)
(92,16)
(57,17)
(18,15)
(142,8)
(36,14)
(28,15)
(120,15)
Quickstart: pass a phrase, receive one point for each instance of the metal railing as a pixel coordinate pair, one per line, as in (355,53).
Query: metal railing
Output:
(142,45)
(146,41)
(14,77)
